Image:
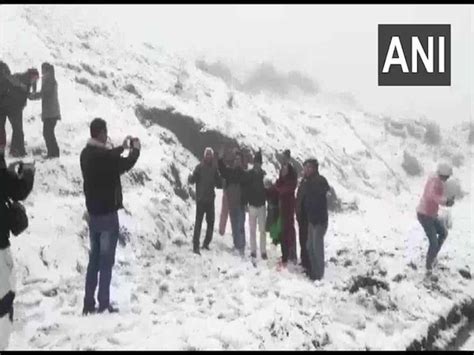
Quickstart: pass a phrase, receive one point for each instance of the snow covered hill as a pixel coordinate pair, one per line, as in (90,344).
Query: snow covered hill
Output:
(171,299)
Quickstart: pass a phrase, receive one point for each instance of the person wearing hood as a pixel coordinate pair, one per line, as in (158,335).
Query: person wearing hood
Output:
(14,186)
(286,186)
(101,166)
(50,112)
(207,178)
(235,179)
(427,211)
(255,191)
(314,207)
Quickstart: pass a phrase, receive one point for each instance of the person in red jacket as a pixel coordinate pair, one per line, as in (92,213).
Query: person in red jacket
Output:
(427,211)
(286,186)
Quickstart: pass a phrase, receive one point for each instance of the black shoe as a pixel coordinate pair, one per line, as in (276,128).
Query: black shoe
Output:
(109,308)
(196,251)
(206,247)
(88,310)
(264,256)
(253,255)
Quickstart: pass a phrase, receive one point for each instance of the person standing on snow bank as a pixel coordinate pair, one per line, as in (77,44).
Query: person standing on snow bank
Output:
(13,186)
(235,178)
(427,211)
(50,112)
(315,208)
(286,186)
(101,167)
(14,94)
(255,191)
(206,177)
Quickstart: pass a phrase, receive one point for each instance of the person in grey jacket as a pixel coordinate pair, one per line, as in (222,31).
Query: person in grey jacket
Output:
(50,111)
(206,177)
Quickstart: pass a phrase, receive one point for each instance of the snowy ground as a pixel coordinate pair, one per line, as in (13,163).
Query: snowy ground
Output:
(171,299)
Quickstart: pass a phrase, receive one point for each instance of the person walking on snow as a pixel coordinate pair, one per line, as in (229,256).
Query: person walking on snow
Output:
(50,112)
(427,211)
(255,190)
(235,178)
(206,177)
(314,206)
(286,186)
(102,166)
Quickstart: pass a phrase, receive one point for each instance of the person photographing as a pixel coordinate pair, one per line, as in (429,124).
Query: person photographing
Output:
(101,166)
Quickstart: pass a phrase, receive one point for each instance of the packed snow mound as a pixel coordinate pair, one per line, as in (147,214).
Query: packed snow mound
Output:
(169,298)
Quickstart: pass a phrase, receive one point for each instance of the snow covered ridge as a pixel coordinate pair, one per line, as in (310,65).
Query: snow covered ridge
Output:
(170,299)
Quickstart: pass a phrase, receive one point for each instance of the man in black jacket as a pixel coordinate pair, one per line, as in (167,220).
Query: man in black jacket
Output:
(206,177)
(101,167)
(315,207)
(255,191)
(13,186)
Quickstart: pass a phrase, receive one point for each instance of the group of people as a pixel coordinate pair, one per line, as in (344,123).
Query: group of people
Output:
(15,91)
(271,205)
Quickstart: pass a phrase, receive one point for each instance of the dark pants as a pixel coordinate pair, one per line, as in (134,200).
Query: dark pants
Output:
(49,137)
(237,221)
(101,261)
(303,237)
(15,117)
(436,234)
(204,208)
(288,240)
(315,247)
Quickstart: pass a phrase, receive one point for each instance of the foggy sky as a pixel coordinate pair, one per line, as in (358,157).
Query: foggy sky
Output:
(334,44)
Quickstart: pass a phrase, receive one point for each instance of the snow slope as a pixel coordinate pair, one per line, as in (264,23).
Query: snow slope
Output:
(171,299)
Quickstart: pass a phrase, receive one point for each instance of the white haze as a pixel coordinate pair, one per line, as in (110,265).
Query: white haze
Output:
(334,44)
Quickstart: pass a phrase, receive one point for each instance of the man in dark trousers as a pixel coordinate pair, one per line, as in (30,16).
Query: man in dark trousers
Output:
(14,95)
(101,167)
(315,207)
(206,177)
(50,111)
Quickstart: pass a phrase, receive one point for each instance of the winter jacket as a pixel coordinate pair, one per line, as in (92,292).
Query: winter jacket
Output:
(101,169)
(235,179)
(16,96)
(206,176)
(254,189)
(314,199)
(49,98)
(14,188)
(433,196)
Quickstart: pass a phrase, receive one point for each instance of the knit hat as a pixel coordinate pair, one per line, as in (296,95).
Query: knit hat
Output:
(258,157)
(444,169)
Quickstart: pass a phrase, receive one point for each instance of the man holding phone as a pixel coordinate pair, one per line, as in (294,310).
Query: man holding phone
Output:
(102,166)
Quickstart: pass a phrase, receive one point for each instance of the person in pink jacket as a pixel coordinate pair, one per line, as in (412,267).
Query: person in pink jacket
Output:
(427,211)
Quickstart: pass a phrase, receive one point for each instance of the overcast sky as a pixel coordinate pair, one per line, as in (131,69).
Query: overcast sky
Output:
(335,44)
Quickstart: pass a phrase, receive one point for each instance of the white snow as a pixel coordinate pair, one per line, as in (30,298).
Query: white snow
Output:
(170,298)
